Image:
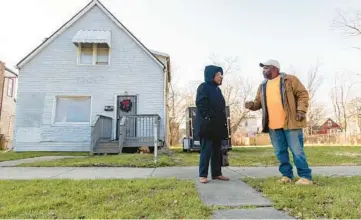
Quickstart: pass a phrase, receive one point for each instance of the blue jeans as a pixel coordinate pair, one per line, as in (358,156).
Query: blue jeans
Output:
(210,150)
(282,139)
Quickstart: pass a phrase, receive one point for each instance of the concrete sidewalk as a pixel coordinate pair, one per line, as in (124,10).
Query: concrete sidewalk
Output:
(162,172)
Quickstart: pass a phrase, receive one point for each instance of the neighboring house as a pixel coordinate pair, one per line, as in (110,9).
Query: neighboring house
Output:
(8,82)
(329,127)
(89,85)
(250,126)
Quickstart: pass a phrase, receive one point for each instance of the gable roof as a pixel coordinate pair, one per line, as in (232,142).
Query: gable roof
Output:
(10,71)
(77,16)
(167,57)
(334,124)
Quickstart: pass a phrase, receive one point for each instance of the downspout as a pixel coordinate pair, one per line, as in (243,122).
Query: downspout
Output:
(166,108)
(2,92)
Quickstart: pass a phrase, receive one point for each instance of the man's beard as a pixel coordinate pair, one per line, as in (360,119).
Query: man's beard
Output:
(266,74)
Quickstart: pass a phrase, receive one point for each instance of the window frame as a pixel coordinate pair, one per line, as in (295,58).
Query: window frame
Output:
(54,123)
(94,55)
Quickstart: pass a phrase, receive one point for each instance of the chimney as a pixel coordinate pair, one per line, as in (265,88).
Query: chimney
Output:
(2,83)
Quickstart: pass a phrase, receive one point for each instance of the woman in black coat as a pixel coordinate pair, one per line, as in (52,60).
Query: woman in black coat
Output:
(211,123)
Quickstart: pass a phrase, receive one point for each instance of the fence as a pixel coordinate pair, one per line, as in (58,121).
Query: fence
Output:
(319,139)
(337,139)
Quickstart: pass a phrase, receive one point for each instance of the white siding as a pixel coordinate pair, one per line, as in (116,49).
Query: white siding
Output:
(54,71)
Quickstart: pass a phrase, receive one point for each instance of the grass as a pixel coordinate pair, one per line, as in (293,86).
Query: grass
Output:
(122,160)
(329,198)
(11,155)
(240,156)
(101,199)
(316,155)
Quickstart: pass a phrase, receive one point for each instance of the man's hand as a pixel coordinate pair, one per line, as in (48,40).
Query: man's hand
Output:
(249,105)
(300,115)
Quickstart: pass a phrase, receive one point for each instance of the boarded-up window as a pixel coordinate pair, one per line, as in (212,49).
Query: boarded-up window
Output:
(102,54)
(94,54)
(72,109)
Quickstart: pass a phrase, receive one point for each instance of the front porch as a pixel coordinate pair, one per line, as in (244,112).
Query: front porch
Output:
(132,131)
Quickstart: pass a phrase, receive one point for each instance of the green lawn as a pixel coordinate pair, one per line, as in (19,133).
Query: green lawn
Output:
(5,156)
(100,199)
(329,198)
(240,156)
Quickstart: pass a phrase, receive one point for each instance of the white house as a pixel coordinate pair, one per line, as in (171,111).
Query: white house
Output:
(74,88)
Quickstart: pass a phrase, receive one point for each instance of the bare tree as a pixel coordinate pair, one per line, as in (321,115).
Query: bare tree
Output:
(354,110)
(314,80)
(339,95)
(316,116)
(349,23)
(176,106)
(229,64)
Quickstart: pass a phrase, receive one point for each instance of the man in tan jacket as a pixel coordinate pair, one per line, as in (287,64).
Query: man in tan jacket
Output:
(284,103)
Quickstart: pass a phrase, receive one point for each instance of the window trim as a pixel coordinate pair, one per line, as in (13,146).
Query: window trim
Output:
(54,123)
(94,56)
(8,86)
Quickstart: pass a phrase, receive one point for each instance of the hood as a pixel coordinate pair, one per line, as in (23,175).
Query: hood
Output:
(210,71)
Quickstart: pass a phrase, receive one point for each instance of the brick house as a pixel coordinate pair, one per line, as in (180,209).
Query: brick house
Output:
(329,127)
(97,89)
(8,82)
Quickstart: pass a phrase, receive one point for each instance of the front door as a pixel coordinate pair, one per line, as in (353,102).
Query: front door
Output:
(127,105)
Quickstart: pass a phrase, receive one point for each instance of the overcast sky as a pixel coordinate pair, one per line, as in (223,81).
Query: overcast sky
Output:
(297,33)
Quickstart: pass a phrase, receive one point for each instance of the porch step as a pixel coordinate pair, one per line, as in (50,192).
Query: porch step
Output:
(107,147)
(132,143)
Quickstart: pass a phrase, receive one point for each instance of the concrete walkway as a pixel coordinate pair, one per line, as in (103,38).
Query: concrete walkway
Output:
(234,173)
(231,194)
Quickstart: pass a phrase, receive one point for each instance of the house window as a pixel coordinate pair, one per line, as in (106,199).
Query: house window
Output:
(93,54)
(72,109)
(10,88)
(102,54)
(86,54)
(329,123)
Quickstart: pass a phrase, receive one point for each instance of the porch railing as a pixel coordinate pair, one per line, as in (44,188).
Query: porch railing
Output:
(122,132)
(101,129)
(140,129)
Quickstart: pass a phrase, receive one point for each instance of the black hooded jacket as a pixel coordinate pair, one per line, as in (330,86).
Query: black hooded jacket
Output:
(211,120)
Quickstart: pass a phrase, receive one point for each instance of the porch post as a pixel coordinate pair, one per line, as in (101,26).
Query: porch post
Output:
(155,134)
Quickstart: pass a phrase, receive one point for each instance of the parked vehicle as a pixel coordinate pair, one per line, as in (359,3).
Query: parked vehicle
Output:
(191,142)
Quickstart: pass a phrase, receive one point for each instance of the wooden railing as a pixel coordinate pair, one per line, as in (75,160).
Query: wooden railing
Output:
(101,129)
(122,132)
(140,130)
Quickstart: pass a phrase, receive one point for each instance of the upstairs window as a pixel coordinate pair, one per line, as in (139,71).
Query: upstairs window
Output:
(10,89)
(93,54)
